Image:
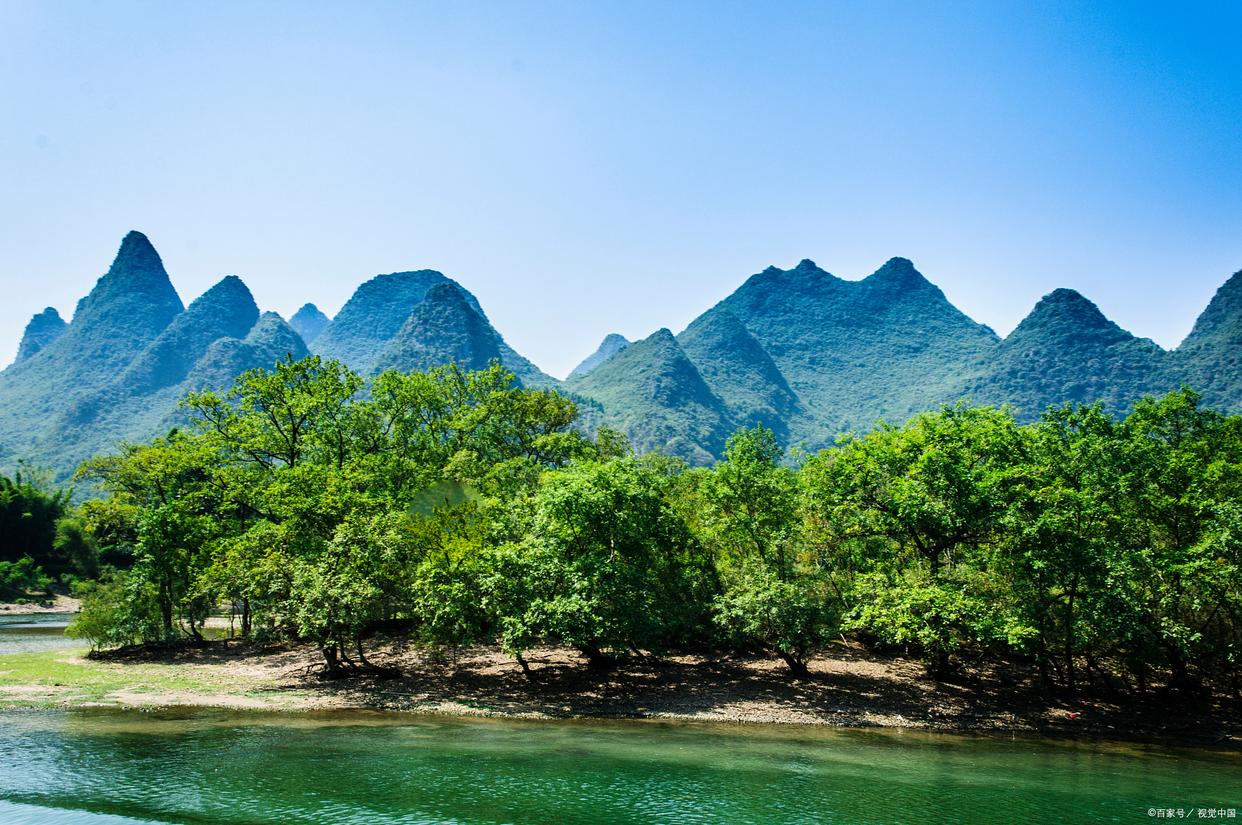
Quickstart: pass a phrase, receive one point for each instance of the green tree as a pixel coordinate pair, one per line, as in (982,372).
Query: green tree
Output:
(917,505)
(606,566)
(750,515)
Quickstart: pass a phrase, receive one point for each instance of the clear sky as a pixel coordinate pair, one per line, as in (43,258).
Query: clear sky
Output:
(591,167)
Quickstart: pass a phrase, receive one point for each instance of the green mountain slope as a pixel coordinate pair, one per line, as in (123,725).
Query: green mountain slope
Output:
(227,310)
(374,314)
(1210,359)
(1066,350)
(853,352)
(447,327)
(651,391)
(127,309)
(739,371)
(267,342)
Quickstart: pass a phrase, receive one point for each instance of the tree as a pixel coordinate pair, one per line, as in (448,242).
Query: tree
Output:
(162,494)
(605,567)
(929,494)
(751,518)
(1063,526)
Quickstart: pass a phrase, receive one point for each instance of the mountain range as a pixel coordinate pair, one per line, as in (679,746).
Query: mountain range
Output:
(804,352)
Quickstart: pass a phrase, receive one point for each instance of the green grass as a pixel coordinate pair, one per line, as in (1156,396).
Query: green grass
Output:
(59,678)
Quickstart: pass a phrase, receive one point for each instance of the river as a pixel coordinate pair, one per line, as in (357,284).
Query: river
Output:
(88,767)
(111,766)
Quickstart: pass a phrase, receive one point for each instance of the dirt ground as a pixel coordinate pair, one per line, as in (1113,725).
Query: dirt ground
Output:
(850,688)
(59,604)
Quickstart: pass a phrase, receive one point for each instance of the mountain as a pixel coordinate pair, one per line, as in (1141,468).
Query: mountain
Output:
(43,329)
(227,310)
(446,326)
(127,309)
(118,370)
(268,341)
(610,346)
(1066,350)
(653,392)
(806,353)
(308,322)
(1210,358)
(739,371)
(854,352)
(812,355)
(374,314)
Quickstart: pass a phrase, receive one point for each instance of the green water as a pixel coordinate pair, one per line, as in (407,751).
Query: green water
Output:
(103,767)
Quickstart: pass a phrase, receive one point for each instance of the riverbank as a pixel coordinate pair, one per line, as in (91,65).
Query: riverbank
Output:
(59,603)
(849,688)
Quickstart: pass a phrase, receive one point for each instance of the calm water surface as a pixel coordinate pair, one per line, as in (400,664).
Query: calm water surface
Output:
(35,631)
(105,767)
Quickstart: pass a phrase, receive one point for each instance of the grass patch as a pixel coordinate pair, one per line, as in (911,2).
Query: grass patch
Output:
(57,678)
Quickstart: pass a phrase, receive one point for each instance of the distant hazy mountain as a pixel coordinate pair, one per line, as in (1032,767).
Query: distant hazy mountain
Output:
(308,322)
(803,352)
(610,346)
(43,329)
(372,317)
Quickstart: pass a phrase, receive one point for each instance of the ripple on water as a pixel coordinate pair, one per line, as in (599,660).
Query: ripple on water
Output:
(227,768)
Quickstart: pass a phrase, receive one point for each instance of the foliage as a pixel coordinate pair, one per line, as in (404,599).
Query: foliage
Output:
(456,506)
(20,578)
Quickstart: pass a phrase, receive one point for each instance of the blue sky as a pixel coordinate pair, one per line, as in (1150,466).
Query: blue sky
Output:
(587,168)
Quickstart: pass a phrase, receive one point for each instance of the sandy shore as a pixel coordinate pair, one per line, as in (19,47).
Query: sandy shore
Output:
(59,604)
(849,688)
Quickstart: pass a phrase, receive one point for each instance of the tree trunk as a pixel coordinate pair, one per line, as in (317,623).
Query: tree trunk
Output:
(1069,635)
(332,662)
(796,665)
(245,618)
(596,658)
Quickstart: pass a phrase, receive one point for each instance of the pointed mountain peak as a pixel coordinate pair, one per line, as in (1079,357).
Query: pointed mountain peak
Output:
(1065,318)
(443,328)
(655,393)
(44,328)
(1068,306)
(309,322)
(137,250)
(266,342)
(227,310)
(375,313)
(449,294)
(136,281)
(738,369)
(806,265)
(228,292)
(897,272)
(1221,321)
(271,328)
(610,346)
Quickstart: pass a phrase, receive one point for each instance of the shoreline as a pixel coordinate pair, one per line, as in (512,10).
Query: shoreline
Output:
(60,603)
(849,688)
